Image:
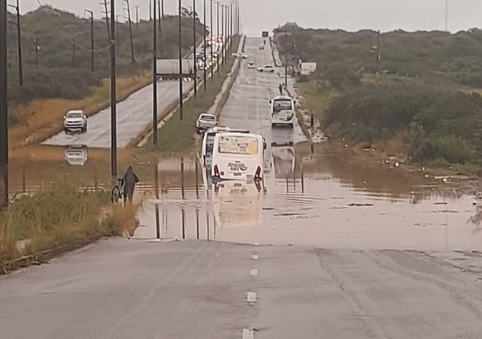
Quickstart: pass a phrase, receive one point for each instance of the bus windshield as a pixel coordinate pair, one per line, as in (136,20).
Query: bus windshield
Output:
(282,104)
(238,145)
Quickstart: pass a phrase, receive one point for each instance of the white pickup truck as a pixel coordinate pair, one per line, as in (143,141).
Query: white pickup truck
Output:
(75,120)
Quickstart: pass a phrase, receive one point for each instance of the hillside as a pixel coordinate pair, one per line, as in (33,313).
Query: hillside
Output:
(424,98)
(64,58)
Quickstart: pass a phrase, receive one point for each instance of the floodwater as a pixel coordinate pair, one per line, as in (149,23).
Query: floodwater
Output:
(324,201)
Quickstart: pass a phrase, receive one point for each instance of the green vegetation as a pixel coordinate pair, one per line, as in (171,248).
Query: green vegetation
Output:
(64,58)
(59,216)
(176,137)
(420,94)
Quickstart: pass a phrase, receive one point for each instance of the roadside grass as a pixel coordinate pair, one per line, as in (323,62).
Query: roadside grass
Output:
(60,217)
(177,137)
(315,101)
(39,119)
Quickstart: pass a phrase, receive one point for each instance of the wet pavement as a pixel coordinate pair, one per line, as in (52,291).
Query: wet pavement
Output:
(134,114)
(328,246)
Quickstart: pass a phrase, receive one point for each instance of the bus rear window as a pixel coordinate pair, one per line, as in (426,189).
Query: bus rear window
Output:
(238,145)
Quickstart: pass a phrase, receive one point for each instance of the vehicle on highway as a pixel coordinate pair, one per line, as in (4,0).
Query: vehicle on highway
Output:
(168,69)
(282,111)
(240,55)
(251,65)
(208,142)
(266,68)
(238,156)
(76,155)
(205,121)
(283,159)
(75,120)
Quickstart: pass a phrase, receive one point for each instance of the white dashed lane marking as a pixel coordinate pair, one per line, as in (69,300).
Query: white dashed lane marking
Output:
(255,257)
(248,333)
(254,272)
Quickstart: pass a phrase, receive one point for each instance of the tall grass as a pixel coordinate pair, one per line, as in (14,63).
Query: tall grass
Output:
(60,216)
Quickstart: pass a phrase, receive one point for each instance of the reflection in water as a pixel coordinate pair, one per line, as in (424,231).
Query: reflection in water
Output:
(237,203)
(283,159)
(76,155)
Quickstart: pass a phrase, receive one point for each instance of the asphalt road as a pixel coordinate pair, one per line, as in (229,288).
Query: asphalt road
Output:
(133,115)
(124,289)
(248,103)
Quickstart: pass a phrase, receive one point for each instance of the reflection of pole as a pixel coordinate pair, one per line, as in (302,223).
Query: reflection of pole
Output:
(158,228)
(207,224)
(302,178)
(197,223)
(183,222)
(197,177)
(156,179)
(3,107)
(182,178)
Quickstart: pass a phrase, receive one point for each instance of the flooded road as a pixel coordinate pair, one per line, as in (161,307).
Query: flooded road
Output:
(327,202)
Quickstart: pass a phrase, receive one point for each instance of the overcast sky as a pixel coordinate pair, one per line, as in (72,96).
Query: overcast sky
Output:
(351,15)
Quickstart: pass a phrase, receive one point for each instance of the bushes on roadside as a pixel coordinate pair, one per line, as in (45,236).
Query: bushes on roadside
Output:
(61,215)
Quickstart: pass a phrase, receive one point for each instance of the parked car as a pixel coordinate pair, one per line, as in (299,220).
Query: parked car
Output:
(251,65)
(206,121)
(266,68)
(75,120)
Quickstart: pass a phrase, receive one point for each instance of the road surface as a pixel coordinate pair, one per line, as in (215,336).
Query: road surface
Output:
(248,103)
(124,289)
(138,288)
(133,115)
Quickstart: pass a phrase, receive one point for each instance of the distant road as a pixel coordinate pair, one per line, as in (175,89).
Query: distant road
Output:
(248,103)
(133,115)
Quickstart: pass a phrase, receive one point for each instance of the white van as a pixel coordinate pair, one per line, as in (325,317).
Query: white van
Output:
(238,156)
(282,111)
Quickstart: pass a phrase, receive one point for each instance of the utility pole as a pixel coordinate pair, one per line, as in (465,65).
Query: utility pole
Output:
(4,199)
(222,34)
(180,62)
(37,50)
(113,92)
(159,10)
(154,77)
(211,33)
(150,10)
(74,49)
(92,53)
(162,9)
(137,17)
(107,20)
(204,42)
(217,35)
(194,45)
(378,55)
(130,31)
(286,61)
(446,15)
(19,44)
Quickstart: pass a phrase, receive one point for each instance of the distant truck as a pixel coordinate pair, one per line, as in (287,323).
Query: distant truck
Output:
(168,69)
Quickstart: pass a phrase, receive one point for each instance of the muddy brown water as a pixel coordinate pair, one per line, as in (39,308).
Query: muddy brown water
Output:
(322,200)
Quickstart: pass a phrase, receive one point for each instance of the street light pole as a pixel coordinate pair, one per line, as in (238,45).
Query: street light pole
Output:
(286,62)
(3,107)
(180,61)
(204,42)
(92,54)
(217,35)
(113,92)
(194,45)
(211,33)
(154,76)
(223,35)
